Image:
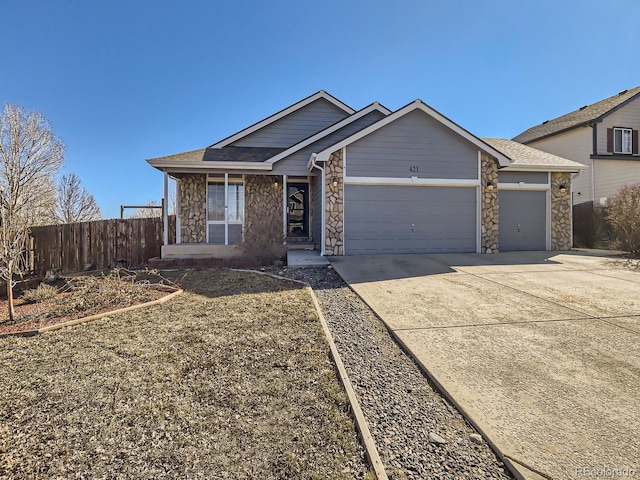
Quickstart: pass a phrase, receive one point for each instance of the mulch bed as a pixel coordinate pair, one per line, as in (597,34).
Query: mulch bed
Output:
(120,292)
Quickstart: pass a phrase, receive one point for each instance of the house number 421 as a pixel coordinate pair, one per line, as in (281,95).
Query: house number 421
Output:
(413,169)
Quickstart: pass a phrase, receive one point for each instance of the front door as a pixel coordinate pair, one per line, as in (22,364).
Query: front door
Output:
(298,210)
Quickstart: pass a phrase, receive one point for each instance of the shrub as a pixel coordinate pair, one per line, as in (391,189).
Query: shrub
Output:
(42,293)
(624,217)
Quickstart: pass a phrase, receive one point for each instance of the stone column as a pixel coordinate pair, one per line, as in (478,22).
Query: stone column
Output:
(263,215)
(560,211)
(334,235)
(489,206)
(192,201)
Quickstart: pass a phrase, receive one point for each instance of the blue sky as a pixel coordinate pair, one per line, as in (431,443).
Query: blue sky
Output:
(123,81)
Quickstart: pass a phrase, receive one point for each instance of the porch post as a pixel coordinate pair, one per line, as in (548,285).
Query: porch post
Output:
(285,205)
(165,210)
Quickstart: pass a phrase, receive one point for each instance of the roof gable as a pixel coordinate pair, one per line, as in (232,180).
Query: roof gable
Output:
(375,106)
(578,118)
(413,106)
(321,96)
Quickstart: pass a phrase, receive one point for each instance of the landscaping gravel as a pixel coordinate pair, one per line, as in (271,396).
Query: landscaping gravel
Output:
(417,432)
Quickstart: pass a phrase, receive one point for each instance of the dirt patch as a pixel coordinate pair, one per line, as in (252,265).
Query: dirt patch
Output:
(231,379)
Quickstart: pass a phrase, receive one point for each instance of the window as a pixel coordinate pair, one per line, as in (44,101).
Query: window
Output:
(225,225)
(215,202)
(622,140)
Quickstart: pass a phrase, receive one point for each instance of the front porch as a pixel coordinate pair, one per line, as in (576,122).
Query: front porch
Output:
(244,216)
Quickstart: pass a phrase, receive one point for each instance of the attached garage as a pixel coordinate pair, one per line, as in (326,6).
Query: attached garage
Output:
(409,219)
(415,182)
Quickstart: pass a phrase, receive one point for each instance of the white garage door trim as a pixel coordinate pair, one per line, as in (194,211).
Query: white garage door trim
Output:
(414,181)
(546,187)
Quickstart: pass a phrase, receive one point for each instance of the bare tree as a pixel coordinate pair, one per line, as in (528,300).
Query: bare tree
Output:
(30,155)
(151,211)
(74,203)
(45,212)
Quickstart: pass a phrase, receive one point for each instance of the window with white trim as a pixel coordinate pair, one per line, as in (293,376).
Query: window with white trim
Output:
(622,140)
(225,221)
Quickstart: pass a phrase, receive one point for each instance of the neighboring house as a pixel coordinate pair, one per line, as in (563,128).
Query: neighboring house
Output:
(603,137)
(368,181)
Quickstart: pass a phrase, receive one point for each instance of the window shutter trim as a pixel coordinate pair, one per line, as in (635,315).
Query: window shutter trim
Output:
(634,142)
(610,140)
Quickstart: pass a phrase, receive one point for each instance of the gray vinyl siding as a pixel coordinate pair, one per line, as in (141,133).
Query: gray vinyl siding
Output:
(413,142)
(295,127)
(216,233)
(316,209)
(400,219)
(522,220)
(296,164)
(526,177)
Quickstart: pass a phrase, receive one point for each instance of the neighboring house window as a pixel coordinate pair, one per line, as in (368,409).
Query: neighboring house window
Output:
(622,141)
(224,225)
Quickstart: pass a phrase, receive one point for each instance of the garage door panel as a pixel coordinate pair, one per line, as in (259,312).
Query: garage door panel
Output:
(400,219)
(522,221)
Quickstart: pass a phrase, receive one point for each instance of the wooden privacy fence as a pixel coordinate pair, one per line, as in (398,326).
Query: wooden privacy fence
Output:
(101,244)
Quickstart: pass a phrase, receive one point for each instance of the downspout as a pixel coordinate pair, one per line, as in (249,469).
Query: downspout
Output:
(322,216)
(284,209)
(594,151)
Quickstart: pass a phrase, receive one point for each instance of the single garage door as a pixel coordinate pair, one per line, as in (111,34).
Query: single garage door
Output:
(409,219)
(523,220)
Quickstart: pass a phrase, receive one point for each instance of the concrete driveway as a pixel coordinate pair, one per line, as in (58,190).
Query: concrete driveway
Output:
(540,350)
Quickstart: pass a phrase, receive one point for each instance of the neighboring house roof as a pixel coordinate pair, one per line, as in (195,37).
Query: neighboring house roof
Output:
(283,113)
(581,117)
(528,158)
(415,105)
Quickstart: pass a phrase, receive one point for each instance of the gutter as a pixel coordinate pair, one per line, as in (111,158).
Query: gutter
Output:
(201,164)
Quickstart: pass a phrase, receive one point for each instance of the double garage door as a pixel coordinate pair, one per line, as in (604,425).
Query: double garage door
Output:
(419,219)
(409,219)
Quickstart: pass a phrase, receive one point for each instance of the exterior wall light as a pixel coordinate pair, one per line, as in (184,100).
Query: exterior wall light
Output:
(275,183)
(334,181)
(562,188)
(489,185)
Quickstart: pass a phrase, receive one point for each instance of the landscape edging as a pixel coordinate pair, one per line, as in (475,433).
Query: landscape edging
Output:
(361,422)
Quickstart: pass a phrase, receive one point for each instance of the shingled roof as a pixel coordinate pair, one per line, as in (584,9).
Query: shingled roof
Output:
(528,158)
(582,116)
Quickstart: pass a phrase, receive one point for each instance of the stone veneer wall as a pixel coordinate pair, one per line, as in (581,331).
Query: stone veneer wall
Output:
(263,210)
(490,213)
(560,211)
(192,210)
(334,236)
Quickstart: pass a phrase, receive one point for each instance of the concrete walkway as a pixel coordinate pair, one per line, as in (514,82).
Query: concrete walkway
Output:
(306,258)
(539,349)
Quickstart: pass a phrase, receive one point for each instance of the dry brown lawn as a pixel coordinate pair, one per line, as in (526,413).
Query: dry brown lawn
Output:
(231,379)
